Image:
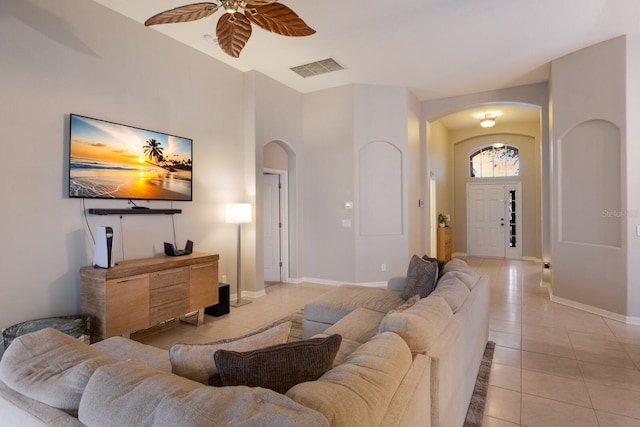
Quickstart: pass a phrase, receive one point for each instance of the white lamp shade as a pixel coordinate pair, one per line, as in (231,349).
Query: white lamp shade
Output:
(238,213)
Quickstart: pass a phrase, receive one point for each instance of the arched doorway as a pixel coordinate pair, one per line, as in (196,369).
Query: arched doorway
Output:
(279,212)
(452,138)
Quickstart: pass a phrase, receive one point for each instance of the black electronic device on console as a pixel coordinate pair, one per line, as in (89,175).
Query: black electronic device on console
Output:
(170,249)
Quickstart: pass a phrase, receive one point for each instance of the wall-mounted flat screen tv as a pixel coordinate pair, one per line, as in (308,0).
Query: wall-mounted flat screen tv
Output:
(113,161)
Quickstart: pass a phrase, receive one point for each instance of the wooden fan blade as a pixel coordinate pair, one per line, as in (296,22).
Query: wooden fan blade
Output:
(190,12)
(254,3)
(279,19)
(233,31)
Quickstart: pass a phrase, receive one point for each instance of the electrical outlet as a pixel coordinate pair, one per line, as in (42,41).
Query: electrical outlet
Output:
(383,267)
(224,278)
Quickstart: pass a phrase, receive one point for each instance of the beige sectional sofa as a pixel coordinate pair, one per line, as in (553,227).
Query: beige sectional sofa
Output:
(392,369)
(450,327)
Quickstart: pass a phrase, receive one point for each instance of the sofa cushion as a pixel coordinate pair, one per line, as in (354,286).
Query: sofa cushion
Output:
(360,325)
(278,367)
(461,270)
(334,305)
(469,280)
(347,347)
(421,325)
(408,303)
(51,367)
(195,361)
(133,394)
(453,291)
(358,392)
(422,276)
(124,349)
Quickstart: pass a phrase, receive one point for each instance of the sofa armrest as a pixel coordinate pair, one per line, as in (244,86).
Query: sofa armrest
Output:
(396,283)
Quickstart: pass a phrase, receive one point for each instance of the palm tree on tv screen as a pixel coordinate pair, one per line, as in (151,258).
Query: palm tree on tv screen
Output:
(154,151)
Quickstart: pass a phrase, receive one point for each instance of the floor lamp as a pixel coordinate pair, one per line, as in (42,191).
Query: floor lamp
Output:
(238,213)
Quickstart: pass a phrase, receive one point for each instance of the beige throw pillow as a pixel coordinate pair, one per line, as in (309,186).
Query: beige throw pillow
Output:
(195,361)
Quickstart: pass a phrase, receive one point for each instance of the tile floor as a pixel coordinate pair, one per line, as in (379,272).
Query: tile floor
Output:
(553,365)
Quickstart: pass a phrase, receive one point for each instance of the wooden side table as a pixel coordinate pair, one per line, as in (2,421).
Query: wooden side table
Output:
(444,243)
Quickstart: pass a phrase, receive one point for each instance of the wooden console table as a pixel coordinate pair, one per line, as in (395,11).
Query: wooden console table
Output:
(140,293)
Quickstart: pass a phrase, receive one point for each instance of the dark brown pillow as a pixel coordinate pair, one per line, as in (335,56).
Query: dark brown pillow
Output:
(440,262)
(278,367)
(422,277)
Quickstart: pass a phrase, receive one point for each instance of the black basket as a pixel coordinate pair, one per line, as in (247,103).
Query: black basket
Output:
(78,326)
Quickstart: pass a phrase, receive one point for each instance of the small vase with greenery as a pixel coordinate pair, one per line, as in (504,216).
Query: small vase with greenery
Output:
(442,220)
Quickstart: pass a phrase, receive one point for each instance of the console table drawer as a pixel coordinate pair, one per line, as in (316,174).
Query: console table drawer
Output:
(160,296)
(169,277)
(170,310)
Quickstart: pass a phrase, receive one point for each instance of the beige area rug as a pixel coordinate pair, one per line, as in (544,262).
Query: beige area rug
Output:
(476,406)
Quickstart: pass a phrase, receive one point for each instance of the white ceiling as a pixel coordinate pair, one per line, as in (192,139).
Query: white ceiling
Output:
(435,48)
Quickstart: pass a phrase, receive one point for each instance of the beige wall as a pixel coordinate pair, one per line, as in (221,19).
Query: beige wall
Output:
(77,57)
(630,184)
(589,117)
(275,114)
(328,178)
(440,168)
(343,126)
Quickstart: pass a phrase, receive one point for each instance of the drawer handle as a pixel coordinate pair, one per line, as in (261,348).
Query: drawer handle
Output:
(131,279)
(202,265)
(167,272)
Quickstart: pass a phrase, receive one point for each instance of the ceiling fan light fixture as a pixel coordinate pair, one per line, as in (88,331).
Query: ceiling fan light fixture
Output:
(230,6)
(234,29)
(488,121)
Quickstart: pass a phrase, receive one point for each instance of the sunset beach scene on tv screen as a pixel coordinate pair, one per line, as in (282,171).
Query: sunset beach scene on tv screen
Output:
(109,160)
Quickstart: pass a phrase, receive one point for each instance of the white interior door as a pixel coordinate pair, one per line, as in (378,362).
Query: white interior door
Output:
(272,229)
(486,220)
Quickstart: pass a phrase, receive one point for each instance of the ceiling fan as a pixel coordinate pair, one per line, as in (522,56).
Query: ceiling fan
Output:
(234,26)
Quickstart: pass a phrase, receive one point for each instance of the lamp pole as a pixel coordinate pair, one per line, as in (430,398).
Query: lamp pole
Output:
(238,213)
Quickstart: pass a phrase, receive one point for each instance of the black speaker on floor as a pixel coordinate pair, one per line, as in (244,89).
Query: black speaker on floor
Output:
(222,307)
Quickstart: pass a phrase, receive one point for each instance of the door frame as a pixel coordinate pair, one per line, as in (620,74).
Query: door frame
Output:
(509,253)
(284,218)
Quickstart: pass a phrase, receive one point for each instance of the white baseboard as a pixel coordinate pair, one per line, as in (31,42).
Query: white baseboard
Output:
(524,258)
(248,294)
(595,310)
(338,283)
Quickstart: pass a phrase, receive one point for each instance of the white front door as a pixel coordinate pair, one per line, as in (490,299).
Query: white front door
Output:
(486,220)
(272,229)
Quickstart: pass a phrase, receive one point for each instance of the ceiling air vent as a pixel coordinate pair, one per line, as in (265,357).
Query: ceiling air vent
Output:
(319,67)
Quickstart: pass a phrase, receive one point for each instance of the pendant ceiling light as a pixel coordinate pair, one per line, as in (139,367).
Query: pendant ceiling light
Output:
(488,121)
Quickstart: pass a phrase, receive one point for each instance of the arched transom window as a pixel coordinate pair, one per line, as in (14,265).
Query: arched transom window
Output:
(494,160)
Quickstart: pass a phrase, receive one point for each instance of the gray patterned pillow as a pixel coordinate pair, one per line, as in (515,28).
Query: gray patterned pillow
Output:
(422,277)
(278,367)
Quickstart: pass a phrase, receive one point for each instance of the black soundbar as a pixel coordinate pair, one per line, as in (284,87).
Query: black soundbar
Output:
(130,211)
